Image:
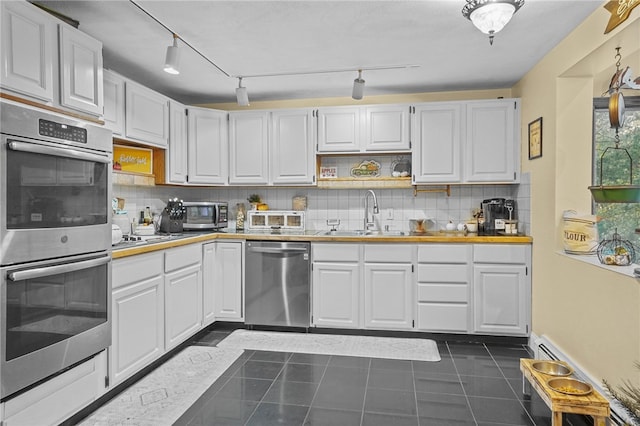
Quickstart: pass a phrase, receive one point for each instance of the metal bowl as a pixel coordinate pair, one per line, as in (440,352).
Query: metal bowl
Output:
(570,386)
(552,368)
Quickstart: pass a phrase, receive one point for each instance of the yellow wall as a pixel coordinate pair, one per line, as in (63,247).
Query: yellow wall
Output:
(592,314)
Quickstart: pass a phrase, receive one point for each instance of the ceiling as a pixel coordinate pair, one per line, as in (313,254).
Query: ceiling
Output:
(246,38)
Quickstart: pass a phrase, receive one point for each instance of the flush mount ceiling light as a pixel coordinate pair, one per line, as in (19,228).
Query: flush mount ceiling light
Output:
(490,16)
(172,60)
(358,87)
(241,94)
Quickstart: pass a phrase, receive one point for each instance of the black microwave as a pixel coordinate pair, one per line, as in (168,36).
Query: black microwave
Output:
(205,215)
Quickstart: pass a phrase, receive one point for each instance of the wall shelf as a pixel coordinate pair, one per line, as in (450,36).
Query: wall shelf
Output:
(445,188)
(365,183)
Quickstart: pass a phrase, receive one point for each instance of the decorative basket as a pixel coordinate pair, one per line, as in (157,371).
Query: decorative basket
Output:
(616,251)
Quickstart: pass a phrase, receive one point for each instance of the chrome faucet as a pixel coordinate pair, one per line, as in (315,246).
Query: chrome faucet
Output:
(369,224)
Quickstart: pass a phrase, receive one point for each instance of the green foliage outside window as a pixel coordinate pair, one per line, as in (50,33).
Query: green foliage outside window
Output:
(615,170)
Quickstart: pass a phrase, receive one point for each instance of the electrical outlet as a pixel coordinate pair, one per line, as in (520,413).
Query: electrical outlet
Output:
(389,214)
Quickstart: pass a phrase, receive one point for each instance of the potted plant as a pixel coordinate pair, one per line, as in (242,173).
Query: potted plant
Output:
(254,199)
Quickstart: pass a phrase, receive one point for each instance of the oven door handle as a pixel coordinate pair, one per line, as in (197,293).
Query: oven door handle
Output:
(47,271)
(58,152)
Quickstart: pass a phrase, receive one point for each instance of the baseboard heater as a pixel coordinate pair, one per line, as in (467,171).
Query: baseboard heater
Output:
(546,349)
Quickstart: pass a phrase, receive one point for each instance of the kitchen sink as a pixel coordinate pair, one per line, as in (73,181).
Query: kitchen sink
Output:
(363,233)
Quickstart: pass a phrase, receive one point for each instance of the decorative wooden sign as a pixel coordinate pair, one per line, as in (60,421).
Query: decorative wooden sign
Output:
(133,160)
(620,10)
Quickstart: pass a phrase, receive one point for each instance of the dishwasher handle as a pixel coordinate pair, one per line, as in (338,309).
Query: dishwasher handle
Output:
(274,250)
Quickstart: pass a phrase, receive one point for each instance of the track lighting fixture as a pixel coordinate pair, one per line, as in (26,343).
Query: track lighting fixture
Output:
(241,94)
(358,87)
(172,61)
(490,16)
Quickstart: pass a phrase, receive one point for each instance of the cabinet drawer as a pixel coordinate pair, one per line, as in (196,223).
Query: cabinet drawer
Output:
(443,317)
(500,253)
(432,273)
(136,268)
(444,253)
(388,253)
(182,257)
(443,293)
(335,252)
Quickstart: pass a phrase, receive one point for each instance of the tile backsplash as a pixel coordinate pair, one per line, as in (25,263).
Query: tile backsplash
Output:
(396,206)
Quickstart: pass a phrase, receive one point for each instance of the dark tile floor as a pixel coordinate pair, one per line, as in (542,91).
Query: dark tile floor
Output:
(474,384)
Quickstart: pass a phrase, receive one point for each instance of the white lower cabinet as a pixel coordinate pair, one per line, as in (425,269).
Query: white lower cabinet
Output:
(336,294)
(183,294)
(336,285)
(228,283)
(388,296)
(388,286)
(444,288)
(502,289)
(52,402)
(208,283)
(137,314)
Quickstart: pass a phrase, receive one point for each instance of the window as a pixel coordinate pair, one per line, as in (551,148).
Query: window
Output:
(616,167)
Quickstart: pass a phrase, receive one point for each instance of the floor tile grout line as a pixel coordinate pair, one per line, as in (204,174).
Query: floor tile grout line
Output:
(267,391)
(364,399)
(464,392)
(317,389)
(511,387)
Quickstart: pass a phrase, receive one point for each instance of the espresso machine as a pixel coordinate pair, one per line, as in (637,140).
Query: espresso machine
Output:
(497,212)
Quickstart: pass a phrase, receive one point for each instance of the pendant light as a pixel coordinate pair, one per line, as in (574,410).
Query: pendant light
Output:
(490,16)
(172,60)
(241,94)
(358,87)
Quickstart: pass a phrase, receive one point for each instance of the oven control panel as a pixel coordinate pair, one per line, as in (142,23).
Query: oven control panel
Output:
(62,131)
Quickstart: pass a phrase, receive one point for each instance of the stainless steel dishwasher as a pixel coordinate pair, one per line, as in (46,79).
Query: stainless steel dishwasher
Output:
(277,283)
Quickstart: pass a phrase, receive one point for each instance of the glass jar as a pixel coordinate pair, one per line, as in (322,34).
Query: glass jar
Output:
(240,216)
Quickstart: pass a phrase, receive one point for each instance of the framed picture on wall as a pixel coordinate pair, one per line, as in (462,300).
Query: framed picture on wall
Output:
(535,138)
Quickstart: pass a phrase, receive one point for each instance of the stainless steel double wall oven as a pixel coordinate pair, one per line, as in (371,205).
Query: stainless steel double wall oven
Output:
(55,240)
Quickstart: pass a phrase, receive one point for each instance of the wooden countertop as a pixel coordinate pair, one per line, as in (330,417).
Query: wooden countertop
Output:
(312,236)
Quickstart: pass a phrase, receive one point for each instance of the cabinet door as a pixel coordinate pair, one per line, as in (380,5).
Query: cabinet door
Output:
(138,326)
(228,281)
(248,148)
(501,299)
(176,154)
(28,38)
(336,295)
(147,115)
(183,304)
(492,145)
(387,128)
(81,71)
(339,129)
(208,283)
(388,296)
(208,154)
(436,143)
(113,102)
(292,153)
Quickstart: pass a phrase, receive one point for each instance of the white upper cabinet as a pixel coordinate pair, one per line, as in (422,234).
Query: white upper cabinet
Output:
(80,71)
(386,128)
(207,146)
(437,139)
(113,102)
(176,153)
(339,129)
(28,46)
(248,148)
(492,148)
(363,129)
(147,115)
(291,154)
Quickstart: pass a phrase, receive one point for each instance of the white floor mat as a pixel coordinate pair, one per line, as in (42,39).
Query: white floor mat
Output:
(332,344)
(161,397)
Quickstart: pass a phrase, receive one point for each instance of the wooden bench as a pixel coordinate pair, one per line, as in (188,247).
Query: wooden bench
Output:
(593,404)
